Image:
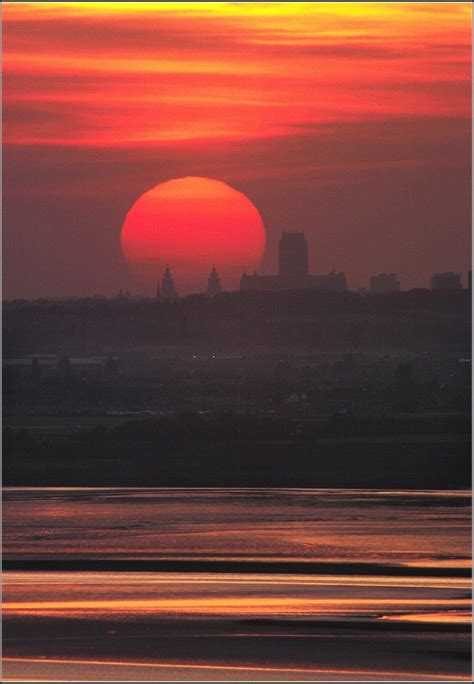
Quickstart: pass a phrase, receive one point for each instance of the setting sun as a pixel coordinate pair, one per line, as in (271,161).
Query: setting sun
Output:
(191,224)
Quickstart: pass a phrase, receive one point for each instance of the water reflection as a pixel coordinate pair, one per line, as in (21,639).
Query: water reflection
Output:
(345,623)
(419,527)
(112,595)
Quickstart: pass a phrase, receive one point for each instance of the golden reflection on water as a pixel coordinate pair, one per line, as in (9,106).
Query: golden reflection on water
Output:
(421,529)
(225,606)
(106,578)
(104,595)
(449,617)
(406,528)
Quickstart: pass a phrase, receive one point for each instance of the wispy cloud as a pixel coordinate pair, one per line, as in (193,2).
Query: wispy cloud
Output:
(122,73)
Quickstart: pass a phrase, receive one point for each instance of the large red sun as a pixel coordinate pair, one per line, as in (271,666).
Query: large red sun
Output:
(191,224)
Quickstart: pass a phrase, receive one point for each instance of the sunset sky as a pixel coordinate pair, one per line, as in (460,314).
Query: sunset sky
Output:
(350,121)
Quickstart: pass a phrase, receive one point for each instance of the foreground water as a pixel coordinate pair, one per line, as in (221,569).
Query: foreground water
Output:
(236,584)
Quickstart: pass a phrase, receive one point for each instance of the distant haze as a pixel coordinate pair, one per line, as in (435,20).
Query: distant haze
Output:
(351,122)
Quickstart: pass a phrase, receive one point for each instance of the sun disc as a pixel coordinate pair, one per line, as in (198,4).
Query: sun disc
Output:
(191,224)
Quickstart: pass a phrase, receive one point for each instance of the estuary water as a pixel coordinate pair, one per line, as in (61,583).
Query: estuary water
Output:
(263,584)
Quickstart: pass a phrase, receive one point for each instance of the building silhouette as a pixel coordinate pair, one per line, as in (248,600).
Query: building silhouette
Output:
(293,266)
(384,282)
(293,270)
(446,281)
(168,290)
(214,283)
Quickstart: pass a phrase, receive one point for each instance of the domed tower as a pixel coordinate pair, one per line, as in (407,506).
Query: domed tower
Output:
(214,283)
(168,290)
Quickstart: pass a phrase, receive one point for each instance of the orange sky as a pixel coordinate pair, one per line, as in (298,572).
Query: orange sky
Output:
(115,73)
(285,101)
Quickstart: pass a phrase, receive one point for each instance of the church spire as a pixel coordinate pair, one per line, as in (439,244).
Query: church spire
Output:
(168,290)
(214,283)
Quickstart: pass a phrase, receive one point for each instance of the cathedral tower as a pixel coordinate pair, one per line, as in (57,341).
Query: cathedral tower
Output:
(293,259)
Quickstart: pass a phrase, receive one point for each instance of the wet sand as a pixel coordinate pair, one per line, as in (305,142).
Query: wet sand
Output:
(64,649)
(234,566)
(34,670)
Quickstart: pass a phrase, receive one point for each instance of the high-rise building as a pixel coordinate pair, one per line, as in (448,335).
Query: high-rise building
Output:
(293,265)
(384,282)
(214,283)
(168,290)
(446,281)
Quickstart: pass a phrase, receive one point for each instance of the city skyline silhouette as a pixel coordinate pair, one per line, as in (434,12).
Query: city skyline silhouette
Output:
(371,158)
